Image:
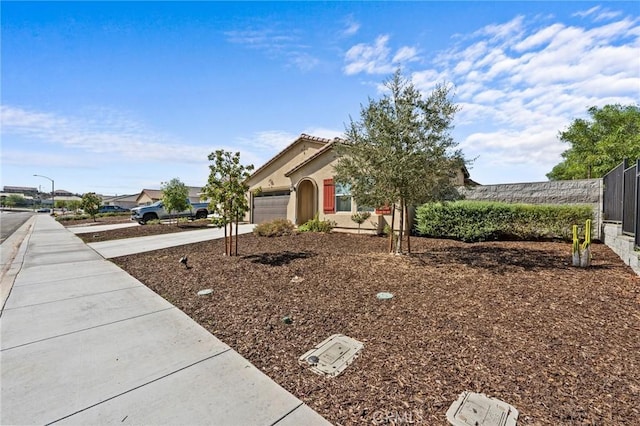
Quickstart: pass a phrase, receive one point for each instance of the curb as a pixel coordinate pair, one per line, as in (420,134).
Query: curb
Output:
(13,251)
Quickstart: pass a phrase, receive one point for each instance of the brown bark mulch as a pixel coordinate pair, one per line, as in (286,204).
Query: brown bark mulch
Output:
(509,319)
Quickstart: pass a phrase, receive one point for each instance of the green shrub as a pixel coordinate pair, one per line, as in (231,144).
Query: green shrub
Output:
(68,218)
(317,225)
(482,221)
(275,228)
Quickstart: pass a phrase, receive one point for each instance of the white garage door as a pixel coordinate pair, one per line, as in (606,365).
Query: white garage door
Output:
(268,206)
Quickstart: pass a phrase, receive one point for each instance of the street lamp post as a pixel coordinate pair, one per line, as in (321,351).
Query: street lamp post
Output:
(53,198)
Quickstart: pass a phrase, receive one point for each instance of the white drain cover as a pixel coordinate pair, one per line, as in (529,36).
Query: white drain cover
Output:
(332,356)
(477,409)
(384,295)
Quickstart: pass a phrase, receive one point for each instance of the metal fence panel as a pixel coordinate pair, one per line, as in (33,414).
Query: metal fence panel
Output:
(637,229)
(629,203)
(613,193)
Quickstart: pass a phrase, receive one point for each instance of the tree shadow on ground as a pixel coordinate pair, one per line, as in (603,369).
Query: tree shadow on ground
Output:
(498,259)
(278,259)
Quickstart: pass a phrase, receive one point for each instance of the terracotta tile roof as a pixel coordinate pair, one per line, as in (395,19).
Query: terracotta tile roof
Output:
(303,136)
(328,147)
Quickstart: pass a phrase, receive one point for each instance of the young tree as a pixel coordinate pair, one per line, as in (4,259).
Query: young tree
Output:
(175,196)
(14,200)
(227,192)
(401,151)
(61,204)
(74,205)
(600,144)
(91,204)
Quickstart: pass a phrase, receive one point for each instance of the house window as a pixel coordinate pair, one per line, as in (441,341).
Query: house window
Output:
(343,197)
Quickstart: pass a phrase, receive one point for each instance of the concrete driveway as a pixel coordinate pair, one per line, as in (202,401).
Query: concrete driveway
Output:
(124,247)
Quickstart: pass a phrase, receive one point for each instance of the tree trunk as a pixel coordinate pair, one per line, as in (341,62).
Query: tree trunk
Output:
(393,219)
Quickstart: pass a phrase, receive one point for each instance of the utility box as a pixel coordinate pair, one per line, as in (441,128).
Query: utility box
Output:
(332,356)
(477,409)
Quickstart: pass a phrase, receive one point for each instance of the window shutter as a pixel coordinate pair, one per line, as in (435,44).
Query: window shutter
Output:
(383,210)
(329,204)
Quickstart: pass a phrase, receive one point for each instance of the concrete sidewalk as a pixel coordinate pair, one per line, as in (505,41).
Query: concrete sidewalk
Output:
(83,342)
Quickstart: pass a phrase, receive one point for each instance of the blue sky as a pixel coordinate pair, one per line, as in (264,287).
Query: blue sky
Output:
(116,97)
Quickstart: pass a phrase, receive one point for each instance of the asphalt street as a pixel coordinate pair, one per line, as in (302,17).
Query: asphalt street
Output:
(11,221)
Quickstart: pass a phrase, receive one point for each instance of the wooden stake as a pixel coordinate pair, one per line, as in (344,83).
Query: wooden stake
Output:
(406,209)
(393,219)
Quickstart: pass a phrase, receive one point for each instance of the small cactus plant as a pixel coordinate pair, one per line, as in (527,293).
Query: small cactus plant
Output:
(581,254)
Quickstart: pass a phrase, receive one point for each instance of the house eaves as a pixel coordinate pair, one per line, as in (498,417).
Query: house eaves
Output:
(327,148)
(302,137)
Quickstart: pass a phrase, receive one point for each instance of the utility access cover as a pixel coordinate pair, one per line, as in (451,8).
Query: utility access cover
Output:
(477,409)
(332,356)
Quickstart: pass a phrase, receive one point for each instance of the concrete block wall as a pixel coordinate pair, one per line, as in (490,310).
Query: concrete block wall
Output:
(622,245)
(581,191)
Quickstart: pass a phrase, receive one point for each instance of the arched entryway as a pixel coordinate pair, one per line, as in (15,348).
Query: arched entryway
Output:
(306,201)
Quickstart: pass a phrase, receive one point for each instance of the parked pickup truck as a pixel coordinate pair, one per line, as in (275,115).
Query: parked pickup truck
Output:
(155,211)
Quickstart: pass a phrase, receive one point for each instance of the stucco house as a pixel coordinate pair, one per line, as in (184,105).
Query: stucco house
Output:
(298,183)
(150,196)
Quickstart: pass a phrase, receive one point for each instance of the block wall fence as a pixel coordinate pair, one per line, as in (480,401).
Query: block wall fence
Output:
(580,191)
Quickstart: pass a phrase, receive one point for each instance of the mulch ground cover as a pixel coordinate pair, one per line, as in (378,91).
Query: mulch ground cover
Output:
(512,320)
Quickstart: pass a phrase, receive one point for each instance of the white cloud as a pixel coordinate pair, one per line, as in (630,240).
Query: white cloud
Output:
(351,27)
(276,43)
(523,81)
(376,58)
(584,13)
(113,135)
(539,38)
(598,14)
(504,31)
(405,54)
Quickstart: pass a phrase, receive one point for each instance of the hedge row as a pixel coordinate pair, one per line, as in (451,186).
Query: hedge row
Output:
(473,221)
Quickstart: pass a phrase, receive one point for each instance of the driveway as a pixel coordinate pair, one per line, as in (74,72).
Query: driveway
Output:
(124,247)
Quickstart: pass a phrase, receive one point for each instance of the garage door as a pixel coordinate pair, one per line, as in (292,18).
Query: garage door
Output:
(270,205)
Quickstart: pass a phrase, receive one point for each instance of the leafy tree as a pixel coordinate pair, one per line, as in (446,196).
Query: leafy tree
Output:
(14,200)
(227,192)
(401,150)
(175,196)
(61,204)
(600,144)
(91,204)
(74,205)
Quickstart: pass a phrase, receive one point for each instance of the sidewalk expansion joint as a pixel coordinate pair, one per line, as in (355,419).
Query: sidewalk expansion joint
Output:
(75,297)
(142,385)
(66,279)
(283,417)
(88,328)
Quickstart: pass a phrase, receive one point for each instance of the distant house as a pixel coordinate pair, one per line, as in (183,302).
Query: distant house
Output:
(125,201)
(150,196)
(298,184)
